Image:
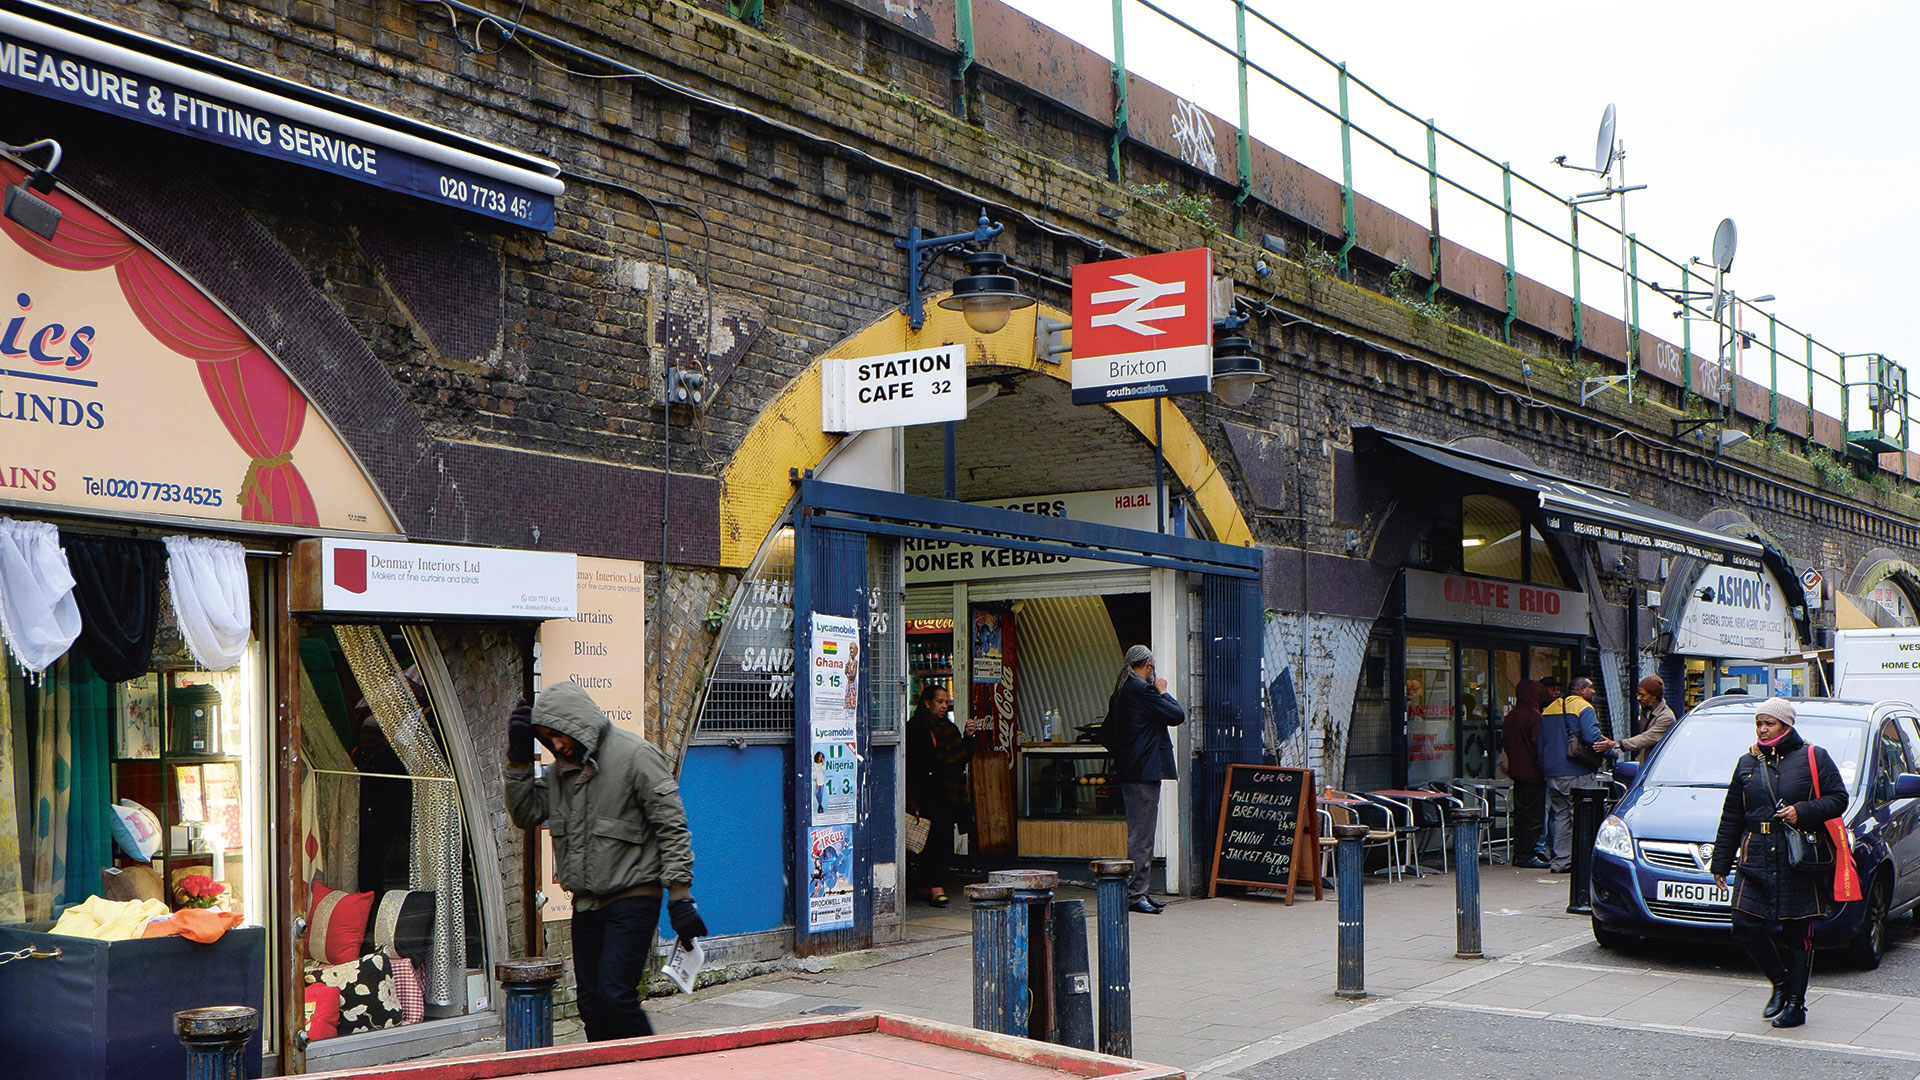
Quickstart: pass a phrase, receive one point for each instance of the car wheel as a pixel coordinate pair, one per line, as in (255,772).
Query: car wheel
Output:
(1870,944)
(1612,939)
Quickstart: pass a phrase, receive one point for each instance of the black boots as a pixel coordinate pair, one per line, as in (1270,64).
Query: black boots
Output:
(1793,1012)
(1766,957)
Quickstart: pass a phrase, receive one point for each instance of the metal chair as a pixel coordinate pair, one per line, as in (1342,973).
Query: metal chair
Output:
(1380,830)
(1406,827)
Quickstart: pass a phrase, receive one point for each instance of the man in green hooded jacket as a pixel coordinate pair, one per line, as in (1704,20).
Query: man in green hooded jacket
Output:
(620,844)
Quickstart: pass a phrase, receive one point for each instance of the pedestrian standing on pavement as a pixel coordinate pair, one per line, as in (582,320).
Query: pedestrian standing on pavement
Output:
(1570,717)
(1656,718)
(1520,738)
(1774,905)
(1139,714)
(620,843)
(937,756)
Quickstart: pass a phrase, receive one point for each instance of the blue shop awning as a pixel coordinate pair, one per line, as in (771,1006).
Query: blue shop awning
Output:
(1580,510)
(56,54)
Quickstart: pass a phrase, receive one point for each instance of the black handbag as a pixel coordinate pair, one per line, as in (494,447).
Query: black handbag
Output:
(1809,852)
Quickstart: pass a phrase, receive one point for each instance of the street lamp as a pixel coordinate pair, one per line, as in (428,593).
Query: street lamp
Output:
(1237,370)
(21,204)
(985,296)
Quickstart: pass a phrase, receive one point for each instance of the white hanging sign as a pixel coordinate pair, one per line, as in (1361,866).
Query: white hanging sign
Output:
(925,386)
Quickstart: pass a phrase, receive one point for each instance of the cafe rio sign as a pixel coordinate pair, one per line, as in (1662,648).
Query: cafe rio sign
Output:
(1459,598)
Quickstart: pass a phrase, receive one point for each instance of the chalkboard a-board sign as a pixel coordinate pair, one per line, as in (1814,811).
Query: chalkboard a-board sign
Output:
(1268,835)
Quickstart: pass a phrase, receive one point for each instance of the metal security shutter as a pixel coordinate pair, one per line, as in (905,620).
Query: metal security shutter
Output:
(1233,726)
(1030,588)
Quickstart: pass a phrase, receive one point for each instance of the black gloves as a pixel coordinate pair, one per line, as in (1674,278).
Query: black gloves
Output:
(686,921)
(520,734)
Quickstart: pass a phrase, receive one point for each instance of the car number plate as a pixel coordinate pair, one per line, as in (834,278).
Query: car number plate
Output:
(1693,892)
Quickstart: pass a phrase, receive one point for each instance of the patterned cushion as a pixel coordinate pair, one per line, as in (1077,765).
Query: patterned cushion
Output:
(337,924)
(368,1001)
(402,924)
(135,828)
(406,987)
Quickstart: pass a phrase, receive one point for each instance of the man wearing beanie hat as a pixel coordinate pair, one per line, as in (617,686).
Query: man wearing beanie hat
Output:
(1138,716)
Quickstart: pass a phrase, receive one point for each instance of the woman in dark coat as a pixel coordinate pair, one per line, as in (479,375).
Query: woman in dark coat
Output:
(1520,737)
(1774,905)
(936,788)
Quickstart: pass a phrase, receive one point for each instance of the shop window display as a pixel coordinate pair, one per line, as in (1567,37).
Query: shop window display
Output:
(393,928)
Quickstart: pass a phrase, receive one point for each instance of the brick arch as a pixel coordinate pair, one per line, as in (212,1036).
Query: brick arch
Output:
(756,485)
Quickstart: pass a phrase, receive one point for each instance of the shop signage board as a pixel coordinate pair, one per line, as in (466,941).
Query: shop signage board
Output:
(1458,598)
(925,386)
(603,645)
(1747,619)
(833,664)
(100,414)
(929,561)
(340,576)
(1269,837)
(52,63)
(1142,327)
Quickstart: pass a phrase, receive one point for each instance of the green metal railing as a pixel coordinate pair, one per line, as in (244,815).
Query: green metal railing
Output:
(1825,368)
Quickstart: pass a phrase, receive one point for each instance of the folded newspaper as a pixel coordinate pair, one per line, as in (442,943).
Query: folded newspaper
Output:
(684,964)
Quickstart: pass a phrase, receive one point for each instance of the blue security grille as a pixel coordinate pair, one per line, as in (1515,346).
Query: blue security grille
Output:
(1232,725)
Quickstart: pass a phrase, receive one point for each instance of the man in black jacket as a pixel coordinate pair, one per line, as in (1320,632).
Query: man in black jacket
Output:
(1138,716)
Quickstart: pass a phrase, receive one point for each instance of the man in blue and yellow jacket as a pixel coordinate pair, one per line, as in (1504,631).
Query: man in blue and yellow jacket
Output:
(1561,720)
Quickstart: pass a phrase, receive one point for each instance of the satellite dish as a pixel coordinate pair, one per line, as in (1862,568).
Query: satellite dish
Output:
(1725,239)
(1603,152)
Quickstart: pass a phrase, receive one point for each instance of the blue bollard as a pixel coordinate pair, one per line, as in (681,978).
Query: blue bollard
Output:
(1348,865)
(1033,893)
(528,984)
(1466,882)
(215,1038)
(999,960)
(1116,962)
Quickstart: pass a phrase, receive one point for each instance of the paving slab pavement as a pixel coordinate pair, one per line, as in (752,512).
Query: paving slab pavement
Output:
(1242,987)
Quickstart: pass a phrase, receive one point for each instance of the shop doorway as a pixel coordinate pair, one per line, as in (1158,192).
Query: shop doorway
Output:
(1458,692)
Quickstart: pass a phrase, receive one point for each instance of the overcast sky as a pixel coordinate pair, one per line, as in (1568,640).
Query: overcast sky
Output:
(1796,119)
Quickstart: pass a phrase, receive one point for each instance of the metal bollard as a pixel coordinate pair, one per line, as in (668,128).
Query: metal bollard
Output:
(1033,890)
(216,1040)
(1466,882)
(1116,962)
(999,961)
(1072,979)
(1348,866)
(1589,806)
(528,984)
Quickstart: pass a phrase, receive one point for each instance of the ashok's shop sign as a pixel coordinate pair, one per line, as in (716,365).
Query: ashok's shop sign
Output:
(1736,615)
(945,560)
(49,62)
(377,577)
(1457,598)
(125,390)
(927,386)
(1142,327)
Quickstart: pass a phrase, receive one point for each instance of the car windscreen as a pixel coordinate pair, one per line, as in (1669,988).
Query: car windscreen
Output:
(1701,750)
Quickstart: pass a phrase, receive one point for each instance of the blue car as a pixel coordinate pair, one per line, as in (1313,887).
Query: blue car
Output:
(1653,853)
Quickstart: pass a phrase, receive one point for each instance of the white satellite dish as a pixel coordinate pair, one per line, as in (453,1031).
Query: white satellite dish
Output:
(1725,239)
(1603,149)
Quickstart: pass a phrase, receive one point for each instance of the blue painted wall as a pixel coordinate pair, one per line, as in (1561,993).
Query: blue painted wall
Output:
(736,804)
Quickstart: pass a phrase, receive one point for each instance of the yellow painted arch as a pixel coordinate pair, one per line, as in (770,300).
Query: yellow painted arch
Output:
(756,485)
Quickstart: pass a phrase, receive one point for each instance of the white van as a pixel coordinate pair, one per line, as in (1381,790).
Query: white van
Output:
(1871,665)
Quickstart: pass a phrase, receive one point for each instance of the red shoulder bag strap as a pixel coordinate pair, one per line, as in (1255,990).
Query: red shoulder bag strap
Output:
(1813,771)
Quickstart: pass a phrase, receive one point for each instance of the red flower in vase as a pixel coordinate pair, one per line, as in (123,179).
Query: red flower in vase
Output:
(198,891)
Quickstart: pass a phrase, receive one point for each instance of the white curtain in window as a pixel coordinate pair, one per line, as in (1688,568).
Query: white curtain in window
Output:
(39,616)
(208,581)
(438,857)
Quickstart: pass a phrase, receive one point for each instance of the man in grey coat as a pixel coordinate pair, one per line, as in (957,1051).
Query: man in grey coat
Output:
(620,843)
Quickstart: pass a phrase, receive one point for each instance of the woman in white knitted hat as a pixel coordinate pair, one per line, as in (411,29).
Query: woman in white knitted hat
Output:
(1774,904)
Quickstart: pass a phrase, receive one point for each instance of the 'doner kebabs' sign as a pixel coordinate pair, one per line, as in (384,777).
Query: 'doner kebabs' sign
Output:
(926,386)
